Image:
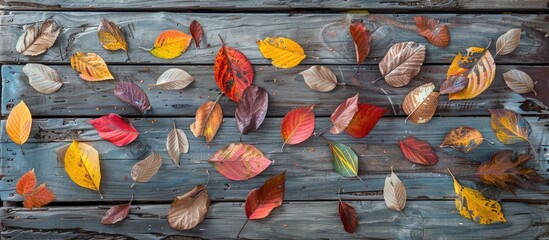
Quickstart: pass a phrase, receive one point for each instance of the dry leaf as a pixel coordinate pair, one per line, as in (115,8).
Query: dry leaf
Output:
(320,78)
(284,52)
(509,126)
(111,36)
(421,103)
(19,123)
(117,213)
(348,217)
(174,79)
(42,78)
(145,169)
(418,151)
(34,197)
(36,41)
(196,32)
(90,67)
(176,144)
(394,193)
(508,42)
(189,209)
(463,139)
(209,117)
(170,44)
(361,37)
(401,63)
(532,104)
(251,109)
(132,94)
(434,31)
(519,81)
(478,66)
(343,114)
(82,166)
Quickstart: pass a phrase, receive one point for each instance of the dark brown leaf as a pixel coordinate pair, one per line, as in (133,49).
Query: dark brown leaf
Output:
(418,151)
(117,213)
(251,109)
(132,94)
(454,84)
(361,37)
(348,217)
(196,32)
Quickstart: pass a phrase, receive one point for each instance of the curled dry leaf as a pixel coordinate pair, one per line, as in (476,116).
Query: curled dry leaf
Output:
(145,169)
(90,67)
(394,193)
(421,103)
(471,204)
(463,139)
(36,41)
(319,78)
(298,125)
(196,32)
(284,52)
(507,174)
(174,79)
(115,129)
(111,36)
(532,104)
(232,71)
(418,151)
(42,78)
(209,117)
(348,217)
(33,197)
(434,31)
(344,159)
(454,84)
(401,63)
(509,126)
(508,42)
(132,94)
(343,114)
(189,209)
(117,213)
(176,144)
(364,120)
(239,161)
(82,165)
(477,66)
(251,109)
(170,44)
(261,201)
(519,81)
(19,123)
(361,37)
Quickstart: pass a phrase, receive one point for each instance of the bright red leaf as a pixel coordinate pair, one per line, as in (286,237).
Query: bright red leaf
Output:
(196,32)
(115,129)
(298,125)
(261,201)
(38,197)
(239,161)
(418,151)
(364,120)
(348,217)
(361,37)
(232,71)
(343,114)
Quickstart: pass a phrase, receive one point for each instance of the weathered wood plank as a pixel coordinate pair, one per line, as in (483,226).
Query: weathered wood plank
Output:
(293,220)
(286,87)
(278,5)
(309,177)
(321,35)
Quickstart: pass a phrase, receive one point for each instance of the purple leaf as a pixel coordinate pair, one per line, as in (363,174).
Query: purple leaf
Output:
(251,109)
(117,213)
(132,94)
(454,84)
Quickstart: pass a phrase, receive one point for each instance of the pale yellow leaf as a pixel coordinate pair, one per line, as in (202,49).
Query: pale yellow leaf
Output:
(42,78)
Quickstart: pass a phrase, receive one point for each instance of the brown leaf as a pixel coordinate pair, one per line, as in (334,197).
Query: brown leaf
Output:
(348,217)
(36,41)
(42,78)
(111,36)
(145,169)
(319,78)
(519,81)
(117,213)
(361,38)
(174,79)
(401,63)
(176,144)
(418,151)
(506,174)
(189,209)
(508,42)
(435,32)
(196,32)
(394,193)
(251,109)
(209,117)
(421,103)
(454,84)
(463,139)
(343,114)
(132,94)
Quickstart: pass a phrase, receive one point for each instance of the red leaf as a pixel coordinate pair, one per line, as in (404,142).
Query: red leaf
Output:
(196,32)
(343,114)
(298,125)
(348,217)
(454,84)
(361,37)
(26,183)
(232,71)
(117,213)
(418,151)
(115,129)
(435,32)
(251,109)
(39,197)
(364,120)
(261,201)
(132,94)
(239,161)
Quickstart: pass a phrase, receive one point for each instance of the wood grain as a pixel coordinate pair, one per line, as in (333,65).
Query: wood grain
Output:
(421,220)
(322,36)
(309,177)
(287,90)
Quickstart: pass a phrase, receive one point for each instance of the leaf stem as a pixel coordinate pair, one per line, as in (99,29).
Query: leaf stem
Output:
(488,141)
(209,176)
(174,127)
(221,39)
(533,150)
(242,228)
(146,49)
(339,194)
(324,130)
(377,79)
(21,147)
(360,179)
(100,195)
(132,185)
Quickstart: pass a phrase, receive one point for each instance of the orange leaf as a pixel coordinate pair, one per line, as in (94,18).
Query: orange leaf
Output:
(261,201)
(478,67)
(19,123)
(361,37)
(26,183)
(38,197)
(208,120)
(232,71)
(90,67)
(298,125)
(170,44)
(435,32)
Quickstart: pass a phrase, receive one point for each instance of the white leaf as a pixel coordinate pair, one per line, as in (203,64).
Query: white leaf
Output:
(519,81)
(394,193)
(508,42)
(36,41)
(173,79)
(320,78)
(176,144)
(42,78)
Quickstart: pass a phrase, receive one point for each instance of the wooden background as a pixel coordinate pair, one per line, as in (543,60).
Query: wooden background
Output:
(310,206)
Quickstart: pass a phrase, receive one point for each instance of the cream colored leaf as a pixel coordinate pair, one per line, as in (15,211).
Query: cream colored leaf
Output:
(420,104)
(173,79)
(36,41)
(508,42)
(519,81)
(42,78)
(145,169)
(176,144)
(394,193)
(320,78)
(189,209)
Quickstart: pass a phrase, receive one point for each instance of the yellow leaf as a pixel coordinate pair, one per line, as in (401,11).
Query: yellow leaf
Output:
(19,123)
(170,44)
(111,36)
(478,66)
(284,52)
(463,139)
(82,166)
(473,205)
(90,67)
